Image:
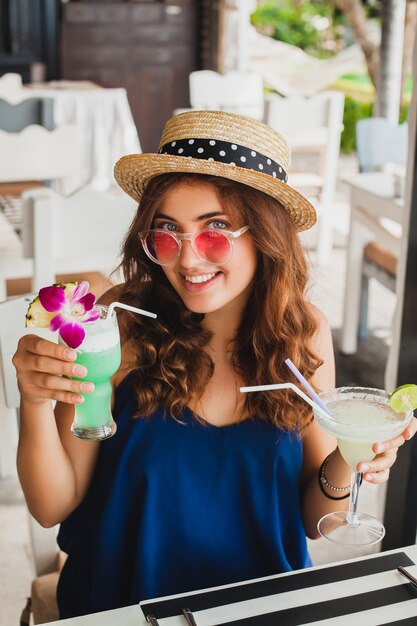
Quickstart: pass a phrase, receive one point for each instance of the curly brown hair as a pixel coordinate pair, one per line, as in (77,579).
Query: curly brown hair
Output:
(171,365)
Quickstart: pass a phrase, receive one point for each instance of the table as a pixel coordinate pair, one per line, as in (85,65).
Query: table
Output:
(106,127)
(372,203)
(364,591)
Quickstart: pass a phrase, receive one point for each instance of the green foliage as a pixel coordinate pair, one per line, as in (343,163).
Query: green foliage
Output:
(404,111)
(358,87)
(312,25)
(354,110)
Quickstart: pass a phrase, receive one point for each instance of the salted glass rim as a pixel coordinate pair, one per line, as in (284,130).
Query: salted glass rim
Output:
(378,393)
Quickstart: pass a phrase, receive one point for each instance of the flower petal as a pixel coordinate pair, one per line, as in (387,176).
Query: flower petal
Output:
(80,291)
(52,298)
(72,333)
(91,316)
(58,321)
(87,301)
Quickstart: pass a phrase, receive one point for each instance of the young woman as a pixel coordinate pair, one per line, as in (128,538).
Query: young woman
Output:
(201,485)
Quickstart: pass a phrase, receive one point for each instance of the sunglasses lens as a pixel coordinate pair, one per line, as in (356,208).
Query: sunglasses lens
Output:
(213,246)
(161,247)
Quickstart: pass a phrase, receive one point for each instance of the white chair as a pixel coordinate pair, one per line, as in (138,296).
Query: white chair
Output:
(15,117)
(80,233)
(378,142)
(235,92)
(28,159)
(12,320)
(11,87)
(312,126)
(36,153)
(46,557)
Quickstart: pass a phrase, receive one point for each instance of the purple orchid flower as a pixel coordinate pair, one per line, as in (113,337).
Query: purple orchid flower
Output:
(72,311)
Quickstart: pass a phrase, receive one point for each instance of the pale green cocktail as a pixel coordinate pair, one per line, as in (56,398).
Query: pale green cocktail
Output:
(361,423)
(360,417)
(100,354)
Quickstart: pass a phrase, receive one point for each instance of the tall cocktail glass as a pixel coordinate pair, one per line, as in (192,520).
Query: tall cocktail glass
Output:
(360,417)
(100,354)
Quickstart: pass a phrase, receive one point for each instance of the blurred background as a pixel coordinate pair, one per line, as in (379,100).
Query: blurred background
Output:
(84,82)
(150,48)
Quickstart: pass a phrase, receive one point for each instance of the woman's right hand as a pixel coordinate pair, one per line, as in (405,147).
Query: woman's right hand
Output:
(43,369)
(54,467)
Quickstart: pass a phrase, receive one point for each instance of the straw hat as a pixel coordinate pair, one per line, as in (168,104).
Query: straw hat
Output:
(219,144)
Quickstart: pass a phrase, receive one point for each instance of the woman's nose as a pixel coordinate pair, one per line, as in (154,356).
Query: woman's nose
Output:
(188,257)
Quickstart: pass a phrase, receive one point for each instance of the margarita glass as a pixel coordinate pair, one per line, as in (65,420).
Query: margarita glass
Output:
(100,354)
(360,417)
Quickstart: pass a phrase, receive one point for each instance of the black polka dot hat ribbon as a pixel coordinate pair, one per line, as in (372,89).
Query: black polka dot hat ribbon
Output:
(225,152)
(218,143)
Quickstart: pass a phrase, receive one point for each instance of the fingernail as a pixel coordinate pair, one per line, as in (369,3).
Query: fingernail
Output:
(364,468)
(79,370)
(87,387)
(78,399)
(70,355)
(379,448)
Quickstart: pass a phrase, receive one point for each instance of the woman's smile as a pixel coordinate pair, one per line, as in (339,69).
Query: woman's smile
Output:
(200,282)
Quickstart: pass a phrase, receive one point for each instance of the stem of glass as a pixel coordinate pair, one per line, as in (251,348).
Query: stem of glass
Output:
(355,482)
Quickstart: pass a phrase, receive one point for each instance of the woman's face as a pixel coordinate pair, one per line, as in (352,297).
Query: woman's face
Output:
(203,287)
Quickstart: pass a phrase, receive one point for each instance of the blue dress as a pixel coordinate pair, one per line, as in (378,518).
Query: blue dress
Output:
(175,507)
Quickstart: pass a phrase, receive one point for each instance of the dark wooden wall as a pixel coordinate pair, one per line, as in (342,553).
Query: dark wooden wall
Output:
(149,48)
(28,35)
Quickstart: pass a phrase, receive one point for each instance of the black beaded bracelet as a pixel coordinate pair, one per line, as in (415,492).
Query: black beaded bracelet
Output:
(323,482)
(332,497)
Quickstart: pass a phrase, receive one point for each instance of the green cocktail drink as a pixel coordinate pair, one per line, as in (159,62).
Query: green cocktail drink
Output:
(100,354)
(100,366)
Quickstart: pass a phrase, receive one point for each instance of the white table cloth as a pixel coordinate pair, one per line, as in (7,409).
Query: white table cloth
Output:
(106,128)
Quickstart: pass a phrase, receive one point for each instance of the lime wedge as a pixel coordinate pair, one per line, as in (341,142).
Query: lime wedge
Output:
(404,396)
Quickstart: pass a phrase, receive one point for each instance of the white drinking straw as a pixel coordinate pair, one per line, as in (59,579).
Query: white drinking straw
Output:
(120,305)
(302,395)
(307,386)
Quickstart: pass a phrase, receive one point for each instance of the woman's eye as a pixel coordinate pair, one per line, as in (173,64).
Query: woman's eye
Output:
(218,224)
(166,226)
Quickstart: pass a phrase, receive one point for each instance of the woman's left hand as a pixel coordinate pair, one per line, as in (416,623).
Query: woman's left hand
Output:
(377,470)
